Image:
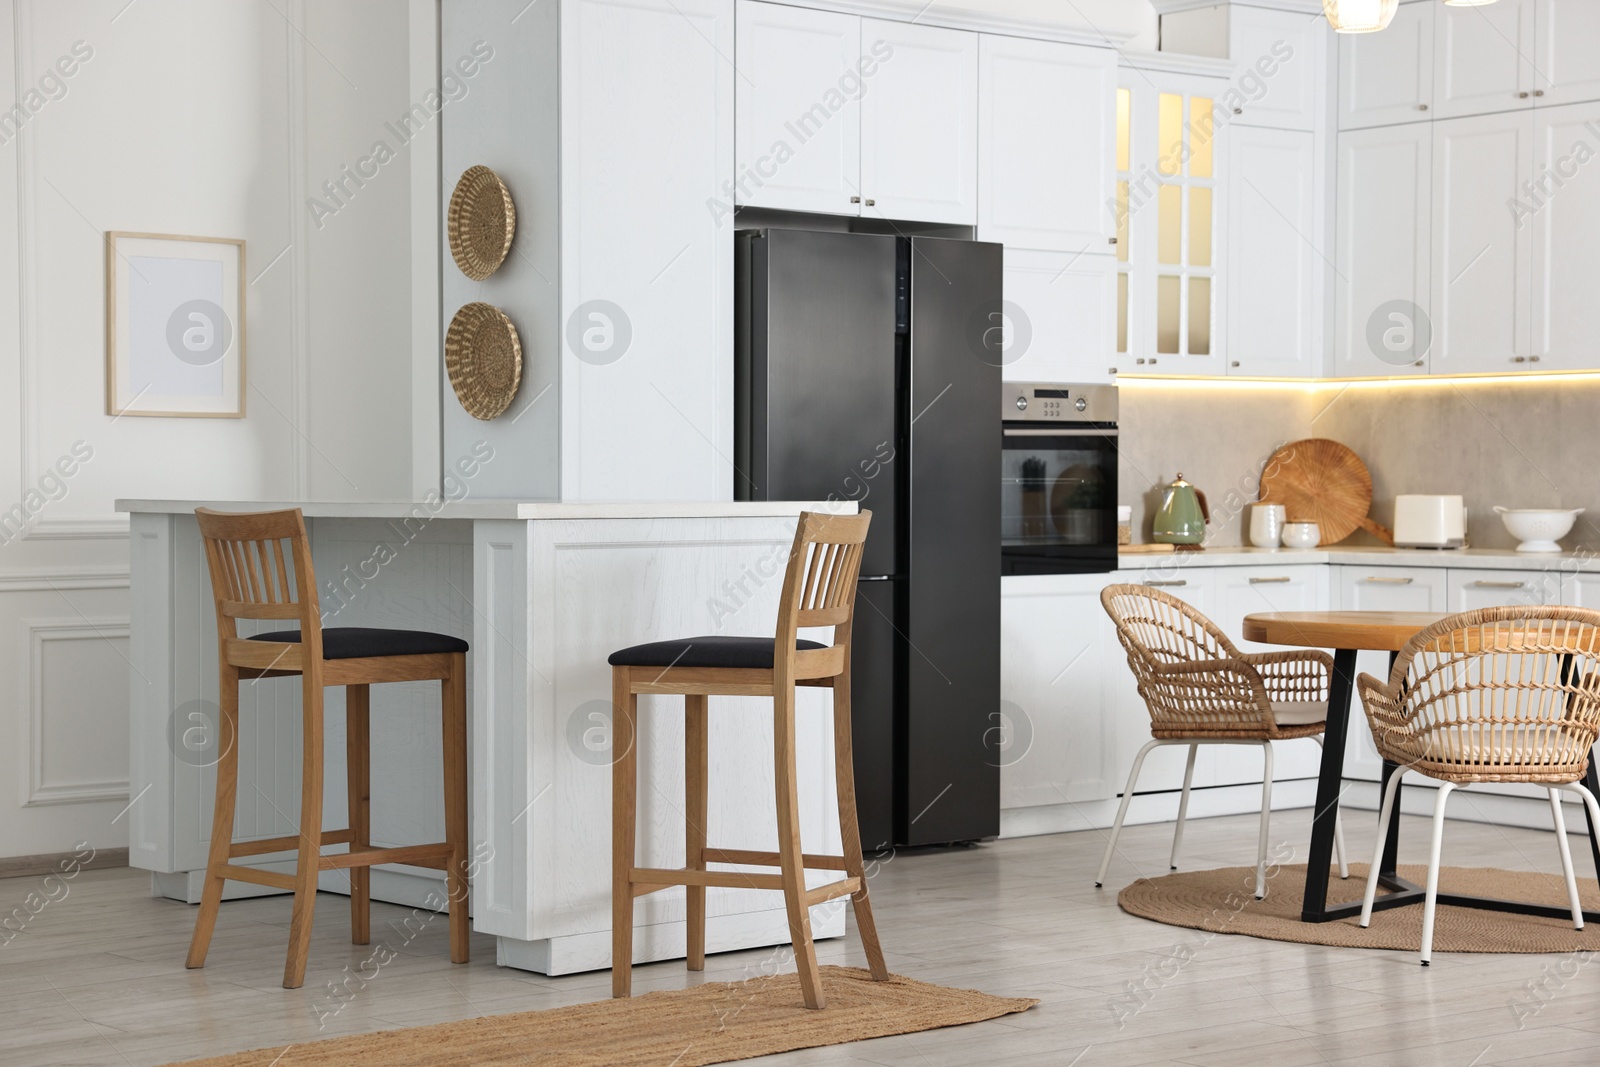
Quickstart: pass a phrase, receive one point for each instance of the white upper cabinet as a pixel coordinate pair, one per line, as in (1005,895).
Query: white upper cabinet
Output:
(853,116)
(919,123)
(1282,66)
(1383,251)
(1045,142)
(1387,77)
(1059,308)
(1482,257)
(1566,67)
(1483,58)
(799,109)
(1274,253)
(1564,220)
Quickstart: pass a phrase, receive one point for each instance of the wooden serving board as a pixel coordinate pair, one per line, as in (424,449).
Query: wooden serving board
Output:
(1322,481)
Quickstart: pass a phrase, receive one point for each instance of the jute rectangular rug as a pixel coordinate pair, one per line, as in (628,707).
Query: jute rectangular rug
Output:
(714,1023)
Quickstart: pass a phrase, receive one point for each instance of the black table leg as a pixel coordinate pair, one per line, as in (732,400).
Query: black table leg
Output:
(1591,782)
(1330,780)
(1391,844)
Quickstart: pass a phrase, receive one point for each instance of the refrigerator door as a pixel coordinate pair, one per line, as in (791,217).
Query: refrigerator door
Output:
(951,777)
(816,374)
(876,659)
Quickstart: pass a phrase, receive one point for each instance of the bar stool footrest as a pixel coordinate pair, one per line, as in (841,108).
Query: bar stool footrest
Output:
(809,861)
(287,843)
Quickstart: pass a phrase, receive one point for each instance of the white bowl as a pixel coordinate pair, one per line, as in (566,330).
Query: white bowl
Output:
(1538,528)
(1301,535)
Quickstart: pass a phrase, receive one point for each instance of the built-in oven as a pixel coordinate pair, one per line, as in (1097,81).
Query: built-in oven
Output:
(1058,479)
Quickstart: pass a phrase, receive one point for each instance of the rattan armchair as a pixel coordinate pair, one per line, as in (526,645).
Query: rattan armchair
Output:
(1497,695)
(1201,690)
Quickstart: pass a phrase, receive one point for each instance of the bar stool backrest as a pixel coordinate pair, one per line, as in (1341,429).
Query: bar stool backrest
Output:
(255,576)
(819,586)
(1500,691)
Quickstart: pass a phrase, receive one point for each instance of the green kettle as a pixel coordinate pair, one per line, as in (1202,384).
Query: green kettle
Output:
(1182,517)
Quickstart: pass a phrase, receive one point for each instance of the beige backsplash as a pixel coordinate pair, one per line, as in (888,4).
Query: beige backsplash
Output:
(1524,444)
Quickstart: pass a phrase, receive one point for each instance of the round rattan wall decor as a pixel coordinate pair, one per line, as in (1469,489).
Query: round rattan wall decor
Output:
(482,220)
(484,359)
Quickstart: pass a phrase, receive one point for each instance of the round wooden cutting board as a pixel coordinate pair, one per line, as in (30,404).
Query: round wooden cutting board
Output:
(1322,481)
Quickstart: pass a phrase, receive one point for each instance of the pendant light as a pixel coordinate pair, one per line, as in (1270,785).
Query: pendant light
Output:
(1467,3)
(1359,16)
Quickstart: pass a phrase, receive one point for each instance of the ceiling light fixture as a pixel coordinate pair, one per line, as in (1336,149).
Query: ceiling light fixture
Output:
(1467,3)
(1359,16)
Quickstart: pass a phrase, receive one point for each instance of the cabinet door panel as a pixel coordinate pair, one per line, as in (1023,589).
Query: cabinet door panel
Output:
(1244,591)
(1275,281)
(919,123)
(1565,224)
(1045,144)
(1059,740)
(1380,589)
(1387,77)
(1385,219)
(1481,58)
(1060,309)
(1482,256)
(799,108)
(1566,61)
(1281,60)
(1470,590)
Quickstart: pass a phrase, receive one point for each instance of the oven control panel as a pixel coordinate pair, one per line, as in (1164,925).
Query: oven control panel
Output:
(1058,402)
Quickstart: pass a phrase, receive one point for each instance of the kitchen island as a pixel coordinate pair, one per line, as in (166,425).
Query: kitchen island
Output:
(543,592)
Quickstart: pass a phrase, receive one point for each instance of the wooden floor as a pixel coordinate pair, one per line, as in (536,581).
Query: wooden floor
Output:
(97,978)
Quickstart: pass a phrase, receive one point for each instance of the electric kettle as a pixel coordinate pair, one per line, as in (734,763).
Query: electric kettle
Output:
(1182,517)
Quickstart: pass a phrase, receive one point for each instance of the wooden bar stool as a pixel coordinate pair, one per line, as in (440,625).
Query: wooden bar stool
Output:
(819,589)
(253,578)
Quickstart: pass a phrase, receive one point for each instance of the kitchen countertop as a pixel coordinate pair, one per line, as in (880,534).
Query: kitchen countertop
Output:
(469,508)
(1477,558)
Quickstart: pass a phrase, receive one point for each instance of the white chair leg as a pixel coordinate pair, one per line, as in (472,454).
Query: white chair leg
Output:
(1385,811)
(1338,830)
(1183,807)
(1559,818)
(1266,818)
(1122,810)
(1430,903)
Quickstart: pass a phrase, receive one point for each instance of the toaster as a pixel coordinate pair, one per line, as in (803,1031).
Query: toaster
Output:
(1429,521)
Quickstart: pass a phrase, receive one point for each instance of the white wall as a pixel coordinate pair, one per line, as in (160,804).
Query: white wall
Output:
(190,117)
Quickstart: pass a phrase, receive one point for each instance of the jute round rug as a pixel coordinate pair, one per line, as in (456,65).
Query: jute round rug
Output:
(713,1023)
(1223,901)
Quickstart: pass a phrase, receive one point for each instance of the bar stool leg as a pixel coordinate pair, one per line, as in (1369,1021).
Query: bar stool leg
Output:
(850,826)
(308,863)
(222,819)
(789,854)
(454,713)
(696,755)
(624,787)
(358,775)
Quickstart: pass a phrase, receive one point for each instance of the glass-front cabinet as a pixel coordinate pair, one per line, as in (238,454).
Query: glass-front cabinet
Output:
(1169,196)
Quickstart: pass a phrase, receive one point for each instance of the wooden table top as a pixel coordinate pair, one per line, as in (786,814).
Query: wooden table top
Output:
(1377,631)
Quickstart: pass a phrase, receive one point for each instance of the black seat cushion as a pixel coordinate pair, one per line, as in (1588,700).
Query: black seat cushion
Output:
(360,642)
(734,652)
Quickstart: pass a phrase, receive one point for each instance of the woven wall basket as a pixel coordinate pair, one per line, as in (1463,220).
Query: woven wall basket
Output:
(484,359)
(482,221)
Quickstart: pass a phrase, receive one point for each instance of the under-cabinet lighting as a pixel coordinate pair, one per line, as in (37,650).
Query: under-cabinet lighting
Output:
(1315,384)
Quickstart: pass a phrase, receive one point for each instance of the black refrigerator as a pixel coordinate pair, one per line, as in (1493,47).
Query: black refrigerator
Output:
(868,369)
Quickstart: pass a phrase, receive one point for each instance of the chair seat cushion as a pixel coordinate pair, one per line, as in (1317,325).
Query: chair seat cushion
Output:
(1299,712)
(361,642)
(731,652)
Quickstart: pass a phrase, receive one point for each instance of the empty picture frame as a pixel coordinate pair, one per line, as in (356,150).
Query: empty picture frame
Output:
(174,326)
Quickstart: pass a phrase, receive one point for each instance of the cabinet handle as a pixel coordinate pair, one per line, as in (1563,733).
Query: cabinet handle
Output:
(1111,370)
(1388,581)
(1499,585)
(1533,359)
(872,203)
(1163,585)
(1538,92)
(1152,361)
(1111,240)
(855,200)
(1422,107)
(1418,363)
(1238,111)
(1522,96)
(1270,581)
(1235,363)
(1140,361)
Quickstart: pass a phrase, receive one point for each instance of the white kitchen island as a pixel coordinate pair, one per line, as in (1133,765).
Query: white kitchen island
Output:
(543,592)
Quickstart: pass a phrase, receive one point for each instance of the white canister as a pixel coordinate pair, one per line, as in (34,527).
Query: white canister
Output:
(1266,525)
(1301,535)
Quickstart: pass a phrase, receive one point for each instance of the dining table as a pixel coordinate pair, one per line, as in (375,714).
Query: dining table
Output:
(1347,633)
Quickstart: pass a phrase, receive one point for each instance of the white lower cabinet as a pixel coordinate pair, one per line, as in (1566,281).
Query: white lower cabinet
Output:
(1471,590)
(1379,589)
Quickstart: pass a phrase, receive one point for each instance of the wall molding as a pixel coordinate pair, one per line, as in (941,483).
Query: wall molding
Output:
(57,578)
(36,633)
(84,529)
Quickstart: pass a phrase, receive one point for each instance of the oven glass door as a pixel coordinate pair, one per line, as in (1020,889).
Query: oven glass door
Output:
(1058,488)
